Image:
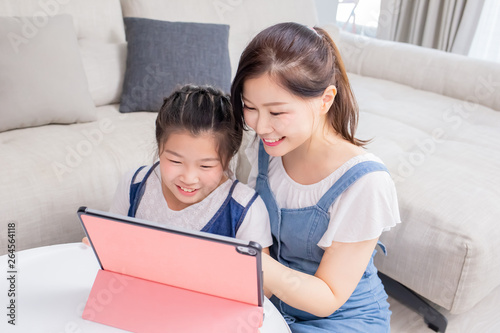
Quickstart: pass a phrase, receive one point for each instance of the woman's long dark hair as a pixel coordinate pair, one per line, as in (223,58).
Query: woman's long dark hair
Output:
(305,61)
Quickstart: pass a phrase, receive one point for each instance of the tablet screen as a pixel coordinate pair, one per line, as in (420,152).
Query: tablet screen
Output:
(193,260)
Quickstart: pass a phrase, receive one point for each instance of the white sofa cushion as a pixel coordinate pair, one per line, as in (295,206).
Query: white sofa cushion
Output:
(43,80)
(445,165)
(241,16)
(50,171)
(99,23)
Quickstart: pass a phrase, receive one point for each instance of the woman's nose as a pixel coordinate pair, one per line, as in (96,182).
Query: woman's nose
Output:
(263,124)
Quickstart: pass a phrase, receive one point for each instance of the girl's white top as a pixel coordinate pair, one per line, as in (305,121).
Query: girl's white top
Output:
(362,212)
(153,207)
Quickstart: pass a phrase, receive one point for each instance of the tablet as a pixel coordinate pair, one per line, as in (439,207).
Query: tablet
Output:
(165,277)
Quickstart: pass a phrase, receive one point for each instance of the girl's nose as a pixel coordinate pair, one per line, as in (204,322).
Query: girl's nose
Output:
(190,176)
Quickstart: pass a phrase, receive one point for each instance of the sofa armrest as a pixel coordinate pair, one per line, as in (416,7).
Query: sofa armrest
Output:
(467,79)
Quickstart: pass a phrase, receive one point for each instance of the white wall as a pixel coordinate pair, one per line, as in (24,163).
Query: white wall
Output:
(327,11)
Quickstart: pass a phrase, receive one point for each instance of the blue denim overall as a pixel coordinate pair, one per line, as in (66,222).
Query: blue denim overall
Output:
(226,220)
(296,233)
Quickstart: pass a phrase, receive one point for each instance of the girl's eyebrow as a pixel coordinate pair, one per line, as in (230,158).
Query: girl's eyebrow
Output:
(208,159)
(265,104)
(172,152)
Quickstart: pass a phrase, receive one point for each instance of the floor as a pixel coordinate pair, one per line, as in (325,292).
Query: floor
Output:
(483,318)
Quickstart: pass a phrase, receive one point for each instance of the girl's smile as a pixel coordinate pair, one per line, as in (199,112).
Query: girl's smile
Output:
(190,168)
(187,191)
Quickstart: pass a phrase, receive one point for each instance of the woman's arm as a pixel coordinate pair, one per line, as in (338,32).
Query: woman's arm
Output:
(338,274)
(265,253)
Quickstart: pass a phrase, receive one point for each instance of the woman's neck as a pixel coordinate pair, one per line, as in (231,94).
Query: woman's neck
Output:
(318,157)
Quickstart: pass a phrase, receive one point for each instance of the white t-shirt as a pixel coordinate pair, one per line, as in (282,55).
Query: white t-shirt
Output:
(153,207)
(362,212)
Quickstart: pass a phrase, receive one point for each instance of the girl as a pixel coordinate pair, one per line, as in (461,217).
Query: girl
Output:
(328,199)
(190,186)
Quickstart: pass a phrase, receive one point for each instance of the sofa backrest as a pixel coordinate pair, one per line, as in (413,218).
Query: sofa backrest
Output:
(93,19)
(245,17)
(467,79)
(101,36)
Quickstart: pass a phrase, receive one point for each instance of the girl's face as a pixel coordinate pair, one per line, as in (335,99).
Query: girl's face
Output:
(190,168)
(282,120)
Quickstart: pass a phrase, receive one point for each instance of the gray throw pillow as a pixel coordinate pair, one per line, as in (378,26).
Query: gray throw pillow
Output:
(164,55)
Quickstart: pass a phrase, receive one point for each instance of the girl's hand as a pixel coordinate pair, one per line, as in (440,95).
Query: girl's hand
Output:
(85,241)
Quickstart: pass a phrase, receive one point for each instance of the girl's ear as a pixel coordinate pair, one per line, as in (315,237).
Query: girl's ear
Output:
(328,98)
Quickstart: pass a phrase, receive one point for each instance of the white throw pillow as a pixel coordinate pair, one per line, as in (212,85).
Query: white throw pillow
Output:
(42,80)
(104,65)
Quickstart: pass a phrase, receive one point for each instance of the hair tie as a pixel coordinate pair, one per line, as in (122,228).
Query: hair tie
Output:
(314,30)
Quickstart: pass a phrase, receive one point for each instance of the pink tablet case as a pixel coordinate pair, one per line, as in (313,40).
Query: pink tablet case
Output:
(165,280)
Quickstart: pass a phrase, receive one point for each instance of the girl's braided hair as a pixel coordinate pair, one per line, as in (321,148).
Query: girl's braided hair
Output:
(201,109)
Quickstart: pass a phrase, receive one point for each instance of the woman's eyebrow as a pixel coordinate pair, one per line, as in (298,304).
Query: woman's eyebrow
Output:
(265,104)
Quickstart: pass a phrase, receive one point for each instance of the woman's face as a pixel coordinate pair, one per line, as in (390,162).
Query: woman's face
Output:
(282,120)
(190,168)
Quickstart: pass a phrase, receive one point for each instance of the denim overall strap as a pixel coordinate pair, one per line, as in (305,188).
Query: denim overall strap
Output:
(229,217)
(245,210)
(210,223)
(346,180)
(264,190)
(137,190)
(263,160)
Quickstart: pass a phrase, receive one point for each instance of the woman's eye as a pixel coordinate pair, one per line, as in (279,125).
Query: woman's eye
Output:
(248,108)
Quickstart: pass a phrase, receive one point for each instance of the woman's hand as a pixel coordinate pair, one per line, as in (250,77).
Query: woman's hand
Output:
(321,294)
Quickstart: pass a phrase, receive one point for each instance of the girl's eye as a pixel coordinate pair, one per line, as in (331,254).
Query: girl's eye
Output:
(276,113)
(175,162)
(207,166)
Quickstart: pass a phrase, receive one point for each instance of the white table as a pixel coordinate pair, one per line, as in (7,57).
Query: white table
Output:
(53,284)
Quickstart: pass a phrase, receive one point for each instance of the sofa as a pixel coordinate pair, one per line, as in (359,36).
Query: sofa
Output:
(432,117)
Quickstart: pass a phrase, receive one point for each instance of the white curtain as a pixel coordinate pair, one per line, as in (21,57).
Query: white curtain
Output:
(447,25)
(486,42)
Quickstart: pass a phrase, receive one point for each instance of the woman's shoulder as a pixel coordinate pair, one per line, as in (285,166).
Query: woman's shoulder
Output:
(372,168)
(358,161)
(374,180)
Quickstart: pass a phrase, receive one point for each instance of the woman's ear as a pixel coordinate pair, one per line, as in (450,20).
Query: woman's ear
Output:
(328,98)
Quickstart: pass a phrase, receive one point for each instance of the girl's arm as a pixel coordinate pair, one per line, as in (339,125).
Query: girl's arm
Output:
(338,274)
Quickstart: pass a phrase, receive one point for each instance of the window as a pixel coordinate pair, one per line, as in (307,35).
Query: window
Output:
(486,42)
(359,16)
